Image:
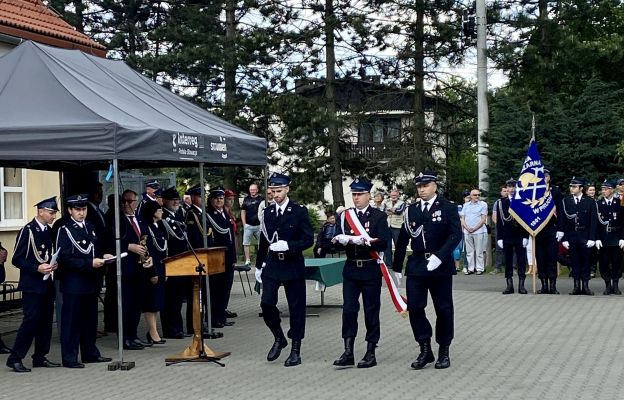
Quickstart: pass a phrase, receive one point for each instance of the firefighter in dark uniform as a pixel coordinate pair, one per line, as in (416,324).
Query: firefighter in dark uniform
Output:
(432,224)
(286,233)
(513,239)
(32,255)
(547,246)
(176,287)
(222,235)
(361,274)
(152,192)
(610,238)
(579,221)
(80,261)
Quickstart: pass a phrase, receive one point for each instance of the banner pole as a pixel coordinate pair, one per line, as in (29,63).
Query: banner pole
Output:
(533,256)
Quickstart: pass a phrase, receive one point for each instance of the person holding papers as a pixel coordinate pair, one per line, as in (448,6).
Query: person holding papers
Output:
(32,255)
(80,262)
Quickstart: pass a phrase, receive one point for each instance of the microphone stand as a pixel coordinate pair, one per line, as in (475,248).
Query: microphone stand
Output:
(200,269)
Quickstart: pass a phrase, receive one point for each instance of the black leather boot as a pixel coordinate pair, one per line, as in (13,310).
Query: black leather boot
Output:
(294,358)
(509,289)
(279,343)
(346,359)
(553,286)
(544,289)
(615,289)
(444,360)
(608,288)
(369,359)
(586,290)
(577,288)
(521,288)
(426,355)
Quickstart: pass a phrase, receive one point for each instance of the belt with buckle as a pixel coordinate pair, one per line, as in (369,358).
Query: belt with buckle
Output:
(361,263)
(613,228)
(579,228)
(280,255)
(426,255)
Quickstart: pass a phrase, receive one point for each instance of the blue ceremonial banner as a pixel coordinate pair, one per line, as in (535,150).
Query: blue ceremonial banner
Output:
(532,205)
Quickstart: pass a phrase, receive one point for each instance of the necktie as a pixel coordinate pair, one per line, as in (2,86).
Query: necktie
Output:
(134,225)
(426,208)
(576,199)
(279,211)
(360,215)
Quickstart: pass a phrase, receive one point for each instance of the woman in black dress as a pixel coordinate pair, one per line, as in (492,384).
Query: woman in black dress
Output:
(154,280)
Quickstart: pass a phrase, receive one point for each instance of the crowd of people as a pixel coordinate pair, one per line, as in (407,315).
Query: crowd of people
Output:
(79,252)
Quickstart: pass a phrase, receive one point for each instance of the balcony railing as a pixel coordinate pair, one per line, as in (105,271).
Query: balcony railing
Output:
(372,151)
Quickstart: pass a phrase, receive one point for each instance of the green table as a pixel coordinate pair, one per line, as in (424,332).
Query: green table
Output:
(327,271)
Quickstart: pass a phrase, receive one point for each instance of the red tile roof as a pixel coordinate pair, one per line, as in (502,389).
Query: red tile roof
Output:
(32,20)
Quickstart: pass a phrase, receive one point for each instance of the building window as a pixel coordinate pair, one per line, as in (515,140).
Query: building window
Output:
(12,197)
(379,130)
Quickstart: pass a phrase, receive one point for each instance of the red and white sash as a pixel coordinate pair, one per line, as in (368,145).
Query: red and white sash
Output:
(400,302)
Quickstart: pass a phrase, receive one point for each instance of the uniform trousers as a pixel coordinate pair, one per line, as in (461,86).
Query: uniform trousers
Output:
(131,306)
(218,292)
(579,260)
(546,251)
(521,259)
(176,290)
(79,327)
(110,299)
(611,263)
(36,325)
(441,290)
(295,295)
(370,289)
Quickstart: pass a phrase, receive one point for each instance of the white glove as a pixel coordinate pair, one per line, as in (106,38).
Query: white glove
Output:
(280,245)
(590,244)
(342,239)
(566,244)
(599,244)
(559,236)
(358,240)
(398,277)
(525,242)
(434,262)
(258,273)
(499,243)
(621,244)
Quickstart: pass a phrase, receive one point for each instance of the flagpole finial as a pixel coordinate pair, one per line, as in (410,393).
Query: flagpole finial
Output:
(533,126)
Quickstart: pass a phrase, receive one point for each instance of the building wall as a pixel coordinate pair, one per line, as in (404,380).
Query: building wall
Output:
(39,185)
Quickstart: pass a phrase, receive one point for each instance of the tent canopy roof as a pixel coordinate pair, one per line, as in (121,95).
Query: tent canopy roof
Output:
(63,108)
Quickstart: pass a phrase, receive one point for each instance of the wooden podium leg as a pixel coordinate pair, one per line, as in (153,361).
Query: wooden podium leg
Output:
(191,353)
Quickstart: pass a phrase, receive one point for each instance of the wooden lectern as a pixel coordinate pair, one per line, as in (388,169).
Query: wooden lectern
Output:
(185,264)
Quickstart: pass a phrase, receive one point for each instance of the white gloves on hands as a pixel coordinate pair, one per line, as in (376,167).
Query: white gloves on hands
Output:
(566,244)
(590,244)
(499,243)
(280,245)
(398,277)
(599,244)
(342,239)
(559,236)
(434,262)
(258,273)
(525,242)
(358,240)
(621,244)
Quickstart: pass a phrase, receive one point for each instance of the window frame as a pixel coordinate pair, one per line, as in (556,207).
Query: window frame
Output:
(14,222)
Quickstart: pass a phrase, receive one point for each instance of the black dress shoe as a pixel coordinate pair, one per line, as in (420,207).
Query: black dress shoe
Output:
(18,367)
(276,349)
(230,314)
(45,363)
(179,335)
(130,345)
(142,343)
(229,323)
(150,340)
(100,359)
(73,365)
(218,325)
(4,349)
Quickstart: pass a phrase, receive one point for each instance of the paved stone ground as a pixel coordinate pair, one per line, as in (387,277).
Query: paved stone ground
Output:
(512,347)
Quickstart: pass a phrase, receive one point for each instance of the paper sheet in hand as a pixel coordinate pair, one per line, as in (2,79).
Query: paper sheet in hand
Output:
(113,258)
(52,261)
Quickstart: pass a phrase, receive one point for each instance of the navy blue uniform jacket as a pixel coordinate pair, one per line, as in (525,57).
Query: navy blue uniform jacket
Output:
(24,258)
(76,268)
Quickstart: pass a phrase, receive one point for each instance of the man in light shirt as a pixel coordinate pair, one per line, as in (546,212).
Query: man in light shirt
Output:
(473,216)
